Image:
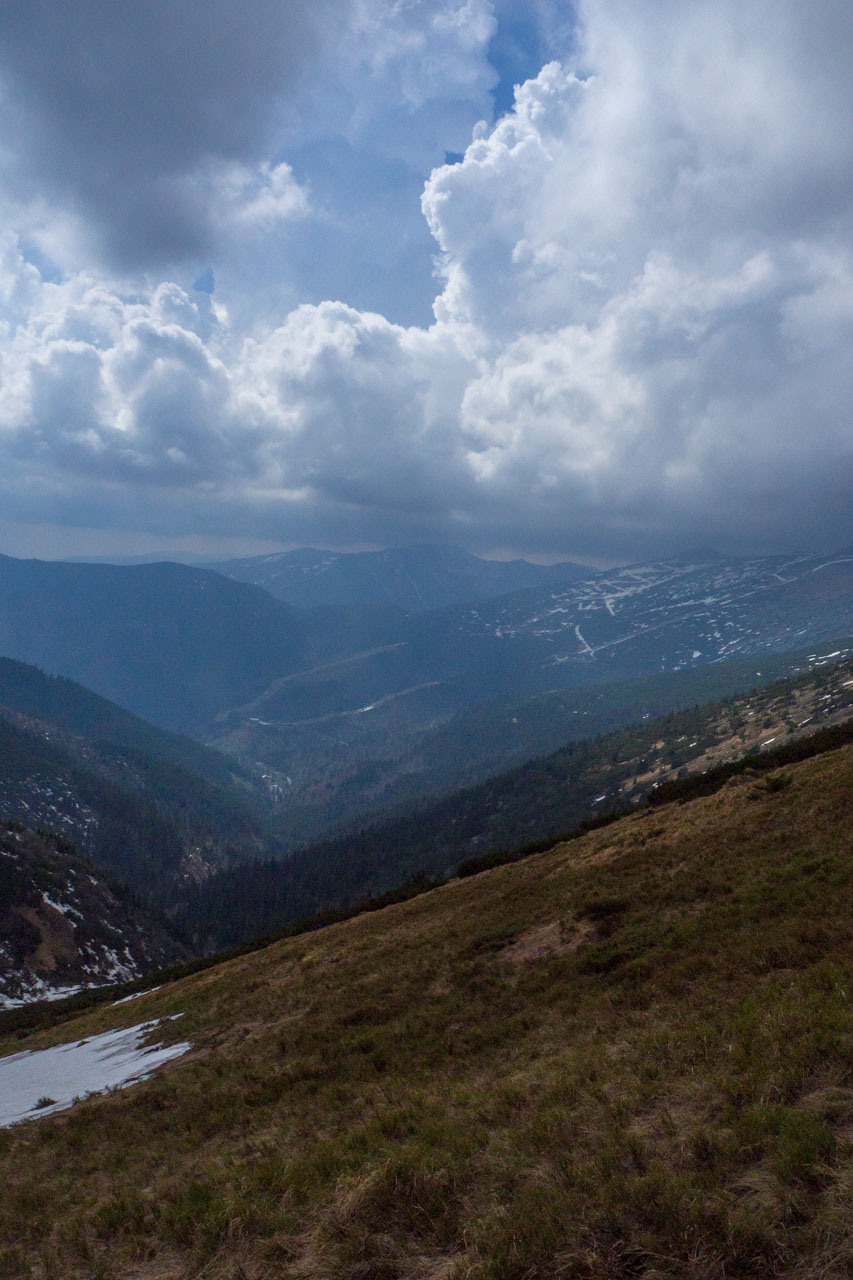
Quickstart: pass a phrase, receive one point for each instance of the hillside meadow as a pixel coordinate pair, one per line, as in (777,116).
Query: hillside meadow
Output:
(631,1055)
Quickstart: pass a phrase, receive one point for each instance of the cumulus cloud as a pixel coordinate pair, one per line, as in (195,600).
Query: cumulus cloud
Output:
(674,206)
(641,333)
(158,392)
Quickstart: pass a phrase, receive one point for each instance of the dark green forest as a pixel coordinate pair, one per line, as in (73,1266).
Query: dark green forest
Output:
(140,818)
(532,805)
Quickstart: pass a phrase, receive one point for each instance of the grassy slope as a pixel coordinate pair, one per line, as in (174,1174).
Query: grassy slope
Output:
(631,1055)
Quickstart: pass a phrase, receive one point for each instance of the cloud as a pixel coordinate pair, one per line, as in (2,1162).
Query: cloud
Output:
(131,133)
(397,87)
(158,392)
(115,106)
(365,412)
(261,197)
(641,333)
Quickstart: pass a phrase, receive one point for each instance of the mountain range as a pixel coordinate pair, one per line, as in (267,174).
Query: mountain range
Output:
(414,579)
(427,710)
(349,708)
(638,621)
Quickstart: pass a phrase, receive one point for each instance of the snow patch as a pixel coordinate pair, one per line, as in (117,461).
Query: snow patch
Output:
(38,1082)
(136,995)
(64,908)
(36,989)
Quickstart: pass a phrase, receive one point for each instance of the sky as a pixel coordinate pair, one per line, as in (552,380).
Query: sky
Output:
(557,280)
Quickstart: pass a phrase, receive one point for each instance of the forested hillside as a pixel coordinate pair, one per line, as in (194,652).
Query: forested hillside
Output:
(153,807)
(66,926)
(331,783)
(536,802)
(67,704)
(172,644)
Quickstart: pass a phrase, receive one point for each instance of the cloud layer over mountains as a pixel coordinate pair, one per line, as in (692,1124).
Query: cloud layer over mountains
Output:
(642,274)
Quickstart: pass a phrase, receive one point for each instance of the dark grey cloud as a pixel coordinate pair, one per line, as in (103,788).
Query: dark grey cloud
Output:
(115,106)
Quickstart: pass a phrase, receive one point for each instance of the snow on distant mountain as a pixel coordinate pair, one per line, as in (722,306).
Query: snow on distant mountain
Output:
(447,696)
(635,621)
(678,613)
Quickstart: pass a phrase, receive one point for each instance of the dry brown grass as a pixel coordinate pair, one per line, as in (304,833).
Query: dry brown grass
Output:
(629,1056)
(554,938)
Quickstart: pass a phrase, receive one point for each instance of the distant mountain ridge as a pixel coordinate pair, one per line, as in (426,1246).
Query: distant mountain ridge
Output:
(622,624)
(173,644)
(416,579)
(333,702)
(668,608)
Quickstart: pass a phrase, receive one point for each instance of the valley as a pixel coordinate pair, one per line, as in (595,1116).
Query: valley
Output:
(528,806)
(420,715)
(371,782)
(350,708)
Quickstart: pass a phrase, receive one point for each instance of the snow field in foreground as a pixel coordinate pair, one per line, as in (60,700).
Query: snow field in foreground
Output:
(60,1076)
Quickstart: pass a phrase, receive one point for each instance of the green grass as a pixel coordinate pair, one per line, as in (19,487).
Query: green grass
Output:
(629,1056)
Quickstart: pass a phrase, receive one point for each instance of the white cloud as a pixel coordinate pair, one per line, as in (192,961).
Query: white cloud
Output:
(643,329)
(261,197)
(409,73)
